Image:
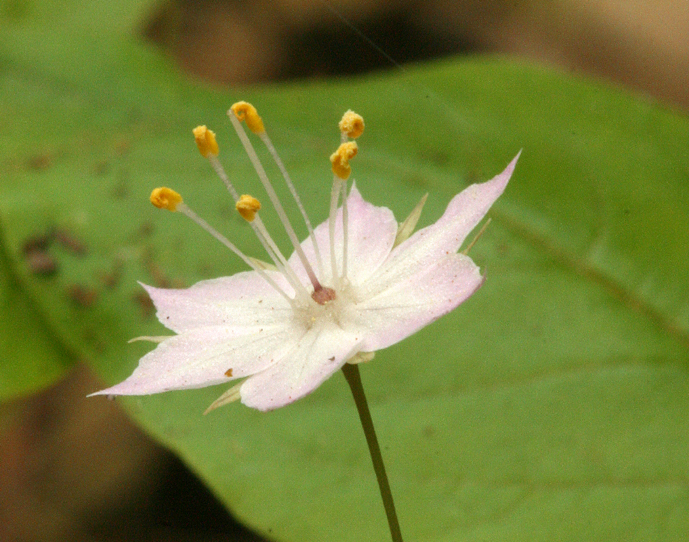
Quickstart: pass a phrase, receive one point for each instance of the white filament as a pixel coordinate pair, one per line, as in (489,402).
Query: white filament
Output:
(271,148)
(248,147)
(185,210)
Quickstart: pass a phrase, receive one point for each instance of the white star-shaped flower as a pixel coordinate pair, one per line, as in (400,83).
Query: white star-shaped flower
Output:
(285,333)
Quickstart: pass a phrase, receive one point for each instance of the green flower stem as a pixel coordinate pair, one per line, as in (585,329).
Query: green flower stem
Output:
(353,377)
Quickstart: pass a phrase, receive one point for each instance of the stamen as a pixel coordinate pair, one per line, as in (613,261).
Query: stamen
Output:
(248,147)
(208,147)
(205,141)
(269,145)
(165,198)
(334,197)
(244,111)
(341,157)
(248,206)
(345,230)
(217,166)
(202,136)
(263,265)
(339,187)
(160,195)
(352,124)
(341,169)
(184,209)
(276,255)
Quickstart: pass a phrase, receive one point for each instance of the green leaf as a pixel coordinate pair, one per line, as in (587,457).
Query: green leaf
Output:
(31,357)
(554,405)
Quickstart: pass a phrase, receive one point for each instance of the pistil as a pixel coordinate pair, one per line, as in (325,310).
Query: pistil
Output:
(324,295)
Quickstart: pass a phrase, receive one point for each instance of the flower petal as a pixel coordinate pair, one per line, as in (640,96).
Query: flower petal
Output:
(414,302)
(319,353)
(371,232)
(444,237)
(244,299)
(202,357)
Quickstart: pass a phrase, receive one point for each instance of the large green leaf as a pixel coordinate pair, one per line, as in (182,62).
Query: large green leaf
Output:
(31,356)
(554,405)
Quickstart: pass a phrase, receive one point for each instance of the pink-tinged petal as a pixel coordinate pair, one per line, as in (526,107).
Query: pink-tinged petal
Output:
(371,234)
(414,302)
(470,206)
(244,299)
(202,357)
(444,237)
(319,353)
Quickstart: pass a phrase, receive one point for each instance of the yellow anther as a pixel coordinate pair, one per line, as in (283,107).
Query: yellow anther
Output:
(247,112)
(205,141)
(248,206)
(341,157)
(352,124)
(165,198)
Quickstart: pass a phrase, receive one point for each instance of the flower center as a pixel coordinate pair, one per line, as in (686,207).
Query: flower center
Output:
(323,295)
(327,305)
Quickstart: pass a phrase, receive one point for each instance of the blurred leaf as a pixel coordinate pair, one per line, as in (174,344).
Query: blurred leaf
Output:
(552,406)
(31,357)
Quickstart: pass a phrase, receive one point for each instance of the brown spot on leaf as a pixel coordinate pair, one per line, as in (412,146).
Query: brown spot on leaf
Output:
(111,278)
(83,296)
(122,147)
(35,243)
(160,279)
(41,263)
(428,431)
(121,188)
(145,229)
(35,249)
(68,241)
(39,162)
(145,304)
(101,167)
